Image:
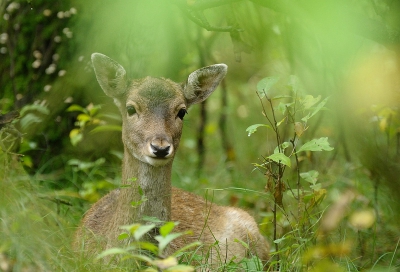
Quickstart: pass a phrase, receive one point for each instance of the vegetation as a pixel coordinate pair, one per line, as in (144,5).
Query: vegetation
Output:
(303,133)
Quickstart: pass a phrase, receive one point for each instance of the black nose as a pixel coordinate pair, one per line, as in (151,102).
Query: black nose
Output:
(160,151)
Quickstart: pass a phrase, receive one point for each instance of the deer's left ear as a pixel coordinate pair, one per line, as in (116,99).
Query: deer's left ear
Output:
(202,82)
(110,75)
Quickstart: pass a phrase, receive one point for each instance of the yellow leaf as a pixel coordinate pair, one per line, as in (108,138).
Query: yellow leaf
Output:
(299,128)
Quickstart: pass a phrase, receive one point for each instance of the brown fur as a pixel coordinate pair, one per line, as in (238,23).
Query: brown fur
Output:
(155,125)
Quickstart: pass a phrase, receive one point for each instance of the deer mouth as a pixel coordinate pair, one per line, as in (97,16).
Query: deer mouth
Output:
(157,161)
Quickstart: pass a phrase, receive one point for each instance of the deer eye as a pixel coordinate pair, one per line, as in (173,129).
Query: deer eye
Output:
(131,110)
(182,113)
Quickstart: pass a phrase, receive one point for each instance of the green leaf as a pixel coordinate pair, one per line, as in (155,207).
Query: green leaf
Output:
(75,136)
(308,101)
(141,257)
(316,145)
(106,128)
(282,107)
(131,228)
(140,190)
(253,128)
(148,246)
(310,177)
(244,244)
(83,117)
(283,146)
(94,110)
(316,110)
(280,158)
(123,236)
(142,230)
(265,84)
(38,108)
(28,120)
(167,228)
(252,264)
(280,122)
(277,241)
(164,241)
(76,108)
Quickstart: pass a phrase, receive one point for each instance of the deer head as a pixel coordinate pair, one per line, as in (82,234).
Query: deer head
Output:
(153,109)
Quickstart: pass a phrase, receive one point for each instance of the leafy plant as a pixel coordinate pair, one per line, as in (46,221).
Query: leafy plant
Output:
(291,114)
(148,254)
(89,116)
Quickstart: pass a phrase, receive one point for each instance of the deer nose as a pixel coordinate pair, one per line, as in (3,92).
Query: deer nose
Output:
(160,151)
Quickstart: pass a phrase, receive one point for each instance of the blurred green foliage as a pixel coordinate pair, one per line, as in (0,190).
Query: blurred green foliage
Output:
(68,131)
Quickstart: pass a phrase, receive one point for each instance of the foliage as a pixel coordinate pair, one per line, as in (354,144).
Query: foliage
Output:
(146,252)
(295,114)
(89,116)
(335,210)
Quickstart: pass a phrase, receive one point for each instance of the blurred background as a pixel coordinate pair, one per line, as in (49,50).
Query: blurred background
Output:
(68,131)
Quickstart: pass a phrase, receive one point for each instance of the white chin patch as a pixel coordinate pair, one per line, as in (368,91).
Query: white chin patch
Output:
(156,162)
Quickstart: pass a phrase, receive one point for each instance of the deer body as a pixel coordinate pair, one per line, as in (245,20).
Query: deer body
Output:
(152,111)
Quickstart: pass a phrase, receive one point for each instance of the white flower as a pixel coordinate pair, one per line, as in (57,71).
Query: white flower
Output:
(62,73)
(47,12)
(47,88)
(51,69)
(37,54)
(36,64)
(3,38)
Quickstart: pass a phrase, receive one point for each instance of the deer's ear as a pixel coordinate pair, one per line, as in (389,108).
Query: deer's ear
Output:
(110,75)
(202,82)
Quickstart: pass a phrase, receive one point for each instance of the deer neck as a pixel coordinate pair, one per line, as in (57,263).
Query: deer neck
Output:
(153,198)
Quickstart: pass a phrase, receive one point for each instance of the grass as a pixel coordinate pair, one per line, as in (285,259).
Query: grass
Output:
(36,234)
(37,220)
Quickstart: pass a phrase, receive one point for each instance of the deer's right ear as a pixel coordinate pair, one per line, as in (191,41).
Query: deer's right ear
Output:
(202,82)
(110,75)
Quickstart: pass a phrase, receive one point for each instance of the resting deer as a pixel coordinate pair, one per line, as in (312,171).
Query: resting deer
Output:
(152,112)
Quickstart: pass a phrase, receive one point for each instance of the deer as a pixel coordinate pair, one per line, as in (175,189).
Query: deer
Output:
(152,112)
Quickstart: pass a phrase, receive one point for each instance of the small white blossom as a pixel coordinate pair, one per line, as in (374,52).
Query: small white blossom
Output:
(47,88)
(37,54)
(47,12)
(12,6)
(3,38)
(69,100)
(36,64)
(51,69)
(72,10)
